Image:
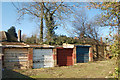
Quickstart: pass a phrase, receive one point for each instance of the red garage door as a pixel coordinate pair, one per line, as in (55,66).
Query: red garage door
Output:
(64,56)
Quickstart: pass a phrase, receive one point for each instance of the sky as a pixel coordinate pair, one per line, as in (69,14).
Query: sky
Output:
(28,27)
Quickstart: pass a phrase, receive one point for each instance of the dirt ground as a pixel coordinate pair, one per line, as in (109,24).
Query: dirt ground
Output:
(97,69)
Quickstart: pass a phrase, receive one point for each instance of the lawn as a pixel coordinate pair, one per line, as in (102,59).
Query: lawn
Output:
(97,69)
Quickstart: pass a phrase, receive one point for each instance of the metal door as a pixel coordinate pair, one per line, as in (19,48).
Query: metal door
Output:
(0,68)
(42,58)
(82,54)
(48,61)
(64,57)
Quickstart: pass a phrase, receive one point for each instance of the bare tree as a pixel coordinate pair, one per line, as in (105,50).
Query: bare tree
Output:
(86,28)
(24,37)
(49,12)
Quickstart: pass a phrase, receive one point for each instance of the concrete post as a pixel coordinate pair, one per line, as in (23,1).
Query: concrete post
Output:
(90,54)
(19,35)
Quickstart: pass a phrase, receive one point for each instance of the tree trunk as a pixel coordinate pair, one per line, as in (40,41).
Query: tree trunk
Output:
(97,51)
(50,26)
(41,25)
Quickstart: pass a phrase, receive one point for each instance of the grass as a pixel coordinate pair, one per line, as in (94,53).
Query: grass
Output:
(97,69)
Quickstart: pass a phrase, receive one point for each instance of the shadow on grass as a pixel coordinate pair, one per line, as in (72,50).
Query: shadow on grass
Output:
(10,74)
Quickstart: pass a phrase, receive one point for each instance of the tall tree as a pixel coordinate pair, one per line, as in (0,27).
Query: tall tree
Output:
(41,25)
(12,31)
(24,37)
(111,13)
(86,28)
(51,12)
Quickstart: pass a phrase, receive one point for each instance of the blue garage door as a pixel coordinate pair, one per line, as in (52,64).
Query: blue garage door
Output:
(82,54)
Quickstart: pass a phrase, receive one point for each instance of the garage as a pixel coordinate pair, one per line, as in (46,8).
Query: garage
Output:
(82,54)
(43,58)
(64,56)
(0,61)
(0,66)
(15,58)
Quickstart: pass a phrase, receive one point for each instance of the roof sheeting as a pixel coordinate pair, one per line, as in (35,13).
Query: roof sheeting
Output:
(83,46)
(41,46)
(14,44)
(75,45)
(68,45)
(19,44)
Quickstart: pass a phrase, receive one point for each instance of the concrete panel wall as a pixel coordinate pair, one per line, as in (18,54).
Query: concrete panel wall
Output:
(15,58)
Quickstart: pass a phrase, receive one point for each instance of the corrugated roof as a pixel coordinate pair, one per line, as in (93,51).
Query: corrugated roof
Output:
(68,45)
(0,44)
(22,44)
(41,46)
(83,46)
(14,44)
(73,45)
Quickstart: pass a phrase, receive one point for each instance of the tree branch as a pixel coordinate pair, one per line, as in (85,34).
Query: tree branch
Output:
(56,9)
(29,12)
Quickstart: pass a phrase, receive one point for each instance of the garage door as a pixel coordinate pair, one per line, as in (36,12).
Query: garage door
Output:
(0,67)
(15,58)
(64,57)
(42,58)
(82,54)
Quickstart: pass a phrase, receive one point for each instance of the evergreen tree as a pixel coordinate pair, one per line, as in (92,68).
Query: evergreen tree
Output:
(12,31)
(11,34)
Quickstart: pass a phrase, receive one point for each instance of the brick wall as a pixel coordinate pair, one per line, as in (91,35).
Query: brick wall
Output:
(74,55)
(30,58)
(55,56)
(98,52)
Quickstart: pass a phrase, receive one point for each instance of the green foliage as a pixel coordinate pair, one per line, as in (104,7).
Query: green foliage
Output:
(31,39)
(114,48)
(59,40)
(11,34)
(115,74)
(110,12)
